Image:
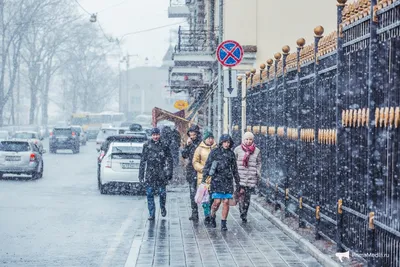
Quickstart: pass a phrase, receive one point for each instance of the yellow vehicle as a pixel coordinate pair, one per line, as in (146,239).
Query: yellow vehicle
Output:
(97,120)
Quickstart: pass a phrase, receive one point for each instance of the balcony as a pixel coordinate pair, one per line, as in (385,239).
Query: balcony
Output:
(178,9)
(184,78)
(194,48)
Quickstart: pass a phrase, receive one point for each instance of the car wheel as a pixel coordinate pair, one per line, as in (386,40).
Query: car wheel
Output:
(102,187)
(41,170)
(36,174)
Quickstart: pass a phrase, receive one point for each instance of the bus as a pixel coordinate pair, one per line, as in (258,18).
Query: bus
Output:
(97,120)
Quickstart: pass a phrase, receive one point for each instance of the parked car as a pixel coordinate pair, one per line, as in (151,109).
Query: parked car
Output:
(106,132)
(64,138)
(103,150)
(121,165)
(91,133)
(21,157)
(81,134)
(30,135)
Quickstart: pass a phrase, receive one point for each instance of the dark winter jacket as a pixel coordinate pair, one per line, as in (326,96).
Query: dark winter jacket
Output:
(156,165)
(188,152)
(226,172)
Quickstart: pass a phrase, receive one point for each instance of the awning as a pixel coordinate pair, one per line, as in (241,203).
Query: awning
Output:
(181,123)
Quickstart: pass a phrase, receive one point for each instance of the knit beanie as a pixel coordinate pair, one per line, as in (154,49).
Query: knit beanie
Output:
(207,134)
(248,135)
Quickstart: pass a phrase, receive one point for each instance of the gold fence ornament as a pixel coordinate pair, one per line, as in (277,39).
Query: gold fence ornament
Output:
(367,117)
(364,116)
(377,112)
(382,117)
(397,117)
(347,117)
(300,202)
(391,117)
(351,118)
(359,118)
(248,128)
(256,129)
(355,118)
(263,130)
(339,209)
(371,224)
(236,128)
(386,117)
(344,118)
(287,193)
(317,212)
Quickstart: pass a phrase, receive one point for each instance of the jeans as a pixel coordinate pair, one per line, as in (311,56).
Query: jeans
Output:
(244,203)
(193,190)
(150,199)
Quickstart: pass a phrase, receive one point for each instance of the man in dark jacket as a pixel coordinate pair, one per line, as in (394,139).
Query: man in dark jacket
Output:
(193,142)
(155,171)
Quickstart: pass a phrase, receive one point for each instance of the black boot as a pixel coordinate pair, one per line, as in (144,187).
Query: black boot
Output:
(207,220)
(194,217)
(223,225)
(163,212)
(213,223)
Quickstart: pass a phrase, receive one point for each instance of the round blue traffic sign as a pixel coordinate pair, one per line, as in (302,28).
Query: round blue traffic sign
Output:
(230,53)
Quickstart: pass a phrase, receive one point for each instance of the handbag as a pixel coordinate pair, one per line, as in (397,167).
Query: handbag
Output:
(201,191)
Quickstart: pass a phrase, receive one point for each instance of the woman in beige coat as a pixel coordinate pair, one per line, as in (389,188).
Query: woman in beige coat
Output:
(199,160)
(248,158)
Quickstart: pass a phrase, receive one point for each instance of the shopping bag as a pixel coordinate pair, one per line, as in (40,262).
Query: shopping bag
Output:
(206,197)
(201,190)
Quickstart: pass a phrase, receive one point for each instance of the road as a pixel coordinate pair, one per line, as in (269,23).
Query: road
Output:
(63,220)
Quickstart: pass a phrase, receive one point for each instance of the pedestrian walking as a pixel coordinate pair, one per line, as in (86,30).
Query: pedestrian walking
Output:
(199,161)
(221,166)
(191,175)
(155,171)
(248,158)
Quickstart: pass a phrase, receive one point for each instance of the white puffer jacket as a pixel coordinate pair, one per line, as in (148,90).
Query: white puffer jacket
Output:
(248,176)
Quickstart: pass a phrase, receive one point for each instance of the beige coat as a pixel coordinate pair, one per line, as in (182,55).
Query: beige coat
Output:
(200,158)
(248,176)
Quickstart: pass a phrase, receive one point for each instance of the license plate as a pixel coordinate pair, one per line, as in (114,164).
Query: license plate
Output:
(130,165)
(13,158)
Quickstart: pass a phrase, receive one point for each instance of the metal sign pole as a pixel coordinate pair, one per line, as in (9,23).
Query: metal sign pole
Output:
(230,89)
(220,88)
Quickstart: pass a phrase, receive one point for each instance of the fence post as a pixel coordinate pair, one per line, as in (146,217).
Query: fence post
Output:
(339,106)
(285,50)
(278,57)
(300,44)
(373,92)
(270,62)
(318,31)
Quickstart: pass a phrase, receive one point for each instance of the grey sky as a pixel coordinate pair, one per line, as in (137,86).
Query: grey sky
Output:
(135,15)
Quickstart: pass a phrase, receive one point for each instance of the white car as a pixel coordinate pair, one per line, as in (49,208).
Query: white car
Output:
(34,137)
(121,165)
(79,131)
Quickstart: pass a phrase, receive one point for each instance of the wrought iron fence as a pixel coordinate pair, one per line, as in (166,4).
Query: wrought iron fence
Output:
(330,115)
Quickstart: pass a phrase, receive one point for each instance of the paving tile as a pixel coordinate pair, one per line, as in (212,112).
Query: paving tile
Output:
(175,241)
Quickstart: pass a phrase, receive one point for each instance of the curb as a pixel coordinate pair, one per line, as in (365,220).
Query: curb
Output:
(324,259)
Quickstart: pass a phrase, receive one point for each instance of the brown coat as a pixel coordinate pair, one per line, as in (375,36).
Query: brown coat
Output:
(200,158)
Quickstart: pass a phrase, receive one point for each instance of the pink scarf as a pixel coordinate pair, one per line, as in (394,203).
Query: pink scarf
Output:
(248,151)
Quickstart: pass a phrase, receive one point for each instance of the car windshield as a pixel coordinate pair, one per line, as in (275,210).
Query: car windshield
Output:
(62,132)
(77,129)
(14,146)
(25,135)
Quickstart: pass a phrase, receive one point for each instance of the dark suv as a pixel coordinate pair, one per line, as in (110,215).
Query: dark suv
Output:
(64,138)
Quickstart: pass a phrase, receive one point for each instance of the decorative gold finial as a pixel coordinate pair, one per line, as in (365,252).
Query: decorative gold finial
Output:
(262,66)
(301,42)
(253,71)
(342,2)
(286,49)
(319,31)
(278,56)
(248,74)
(240,78)
(270,62)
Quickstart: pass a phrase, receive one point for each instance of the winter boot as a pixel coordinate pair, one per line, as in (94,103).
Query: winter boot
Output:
(213,223)
(163,212)
(207,220)
(151,218)
(194,217)
(223,225)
